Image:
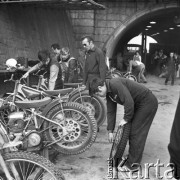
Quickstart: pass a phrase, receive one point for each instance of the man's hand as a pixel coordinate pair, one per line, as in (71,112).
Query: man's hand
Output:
(111,137)
(25,75)
(122,123)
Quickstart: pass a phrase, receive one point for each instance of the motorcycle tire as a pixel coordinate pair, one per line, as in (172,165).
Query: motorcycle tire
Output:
(95,104)
(76,119)
(29,164)
(120,142)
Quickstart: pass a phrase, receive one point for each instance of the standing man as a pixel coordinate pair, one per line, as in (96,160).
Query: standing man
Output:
(50,64)
(95,65)
(140,107)
(171,68)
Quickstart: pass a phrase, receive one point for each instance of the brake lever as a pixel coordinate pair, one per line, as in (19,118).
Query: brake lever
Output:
(11,79)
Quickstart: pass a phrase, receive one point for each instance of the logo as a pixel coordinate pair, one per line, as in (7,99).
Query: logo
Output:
(142,172)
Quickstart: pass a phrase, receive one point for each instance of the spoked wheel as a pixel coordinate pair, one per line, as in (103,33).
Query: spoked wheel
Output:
(131,77)
(119,144)
(94,104)
(80,125)
(26,165)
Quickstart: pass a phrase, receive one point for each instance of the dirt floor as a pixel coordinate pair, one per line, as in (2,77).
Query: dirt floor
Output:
(92,164)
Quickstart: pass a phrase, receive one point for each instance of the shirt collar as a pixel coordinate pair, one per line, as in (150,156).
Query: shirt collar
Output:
(107,81)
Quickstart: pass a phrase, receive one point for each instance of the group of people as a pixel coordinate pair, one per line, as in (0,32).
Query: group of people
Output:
(140,104)
(59,64)
(166,66)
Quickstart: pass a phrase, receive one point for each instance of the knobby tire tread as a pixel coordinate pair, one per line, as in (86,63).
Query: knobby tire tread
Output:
(122,142)
(37,159)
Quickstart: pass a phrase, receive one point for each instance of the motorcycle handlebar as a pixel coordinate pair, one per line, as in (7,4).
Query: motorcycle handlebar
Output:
(12,78)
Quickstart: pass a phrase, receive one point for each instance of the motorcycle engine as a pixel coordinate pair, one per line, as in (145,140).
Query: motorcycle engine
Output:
(16,122)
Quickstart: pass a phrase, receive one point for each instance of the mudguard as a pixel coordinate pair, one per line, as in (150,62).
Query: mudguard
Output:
(50,106)
(75,91)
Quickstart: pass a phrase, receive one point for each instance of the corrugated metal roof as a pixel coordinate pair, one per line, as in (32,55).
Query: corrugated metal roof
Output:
(64,4)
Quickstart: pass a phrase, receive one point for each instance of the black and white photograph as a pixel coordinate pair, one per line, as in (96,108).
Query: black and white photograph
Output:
(89,89)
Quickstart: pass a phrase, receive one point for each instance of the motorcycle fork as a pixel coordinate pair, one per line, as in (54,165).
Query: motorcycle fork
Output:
(80,94)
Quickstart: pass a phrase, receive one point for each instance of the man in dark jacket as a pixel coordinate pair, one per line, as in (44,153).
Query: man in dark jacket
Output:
(174,145)
(171,65)
(50,64)
(140,107)
(95,64)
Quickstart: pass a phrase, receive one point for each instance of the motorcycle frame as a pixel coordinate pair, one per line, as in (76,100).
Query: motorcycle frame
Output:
(34,114)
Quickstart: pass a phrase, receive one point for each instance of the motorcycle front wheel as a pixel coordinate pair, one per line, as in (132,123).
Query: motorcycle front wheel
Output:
(79,124)
(30,166)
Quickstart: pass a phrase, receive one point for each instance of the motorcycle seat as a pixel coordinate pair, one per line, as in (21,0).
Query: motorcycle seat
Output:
(26,104)
(62,92)
(31,92)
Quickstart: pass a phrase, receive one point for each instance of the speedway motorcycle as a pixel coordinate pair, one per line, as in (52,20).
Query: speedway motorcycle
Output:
(75,93)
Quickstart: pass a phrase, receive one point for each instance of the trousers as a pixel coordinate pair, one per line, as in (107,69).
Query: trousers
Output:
(141,122)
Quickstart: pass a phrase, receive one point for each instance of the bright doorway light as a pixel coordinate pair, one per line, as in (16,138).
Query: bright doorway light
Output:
(138,40)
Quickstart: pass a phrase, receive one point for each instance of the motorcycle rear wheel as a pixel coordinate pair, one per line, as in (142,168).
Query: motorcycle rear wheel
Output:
(80,124)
